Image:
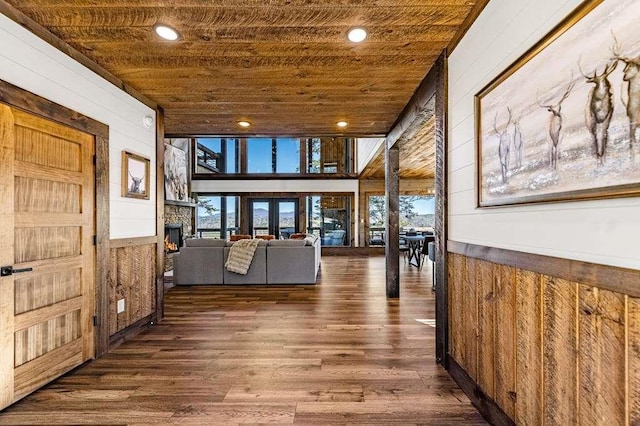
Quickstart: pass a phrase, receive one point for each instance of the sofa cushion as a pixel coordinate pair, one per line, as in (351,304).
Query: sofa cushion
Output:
(298,236)
(266,237)
(204,242)
(287,243)
(239,237)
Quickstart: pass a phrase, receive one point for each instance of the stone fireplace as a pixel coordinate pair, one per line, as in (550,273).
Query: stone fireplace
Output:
(179,221)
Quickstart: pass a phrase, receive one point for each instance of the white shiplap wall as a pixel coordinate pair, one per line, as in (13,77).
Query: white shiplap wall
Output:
(30,63)
(602,231)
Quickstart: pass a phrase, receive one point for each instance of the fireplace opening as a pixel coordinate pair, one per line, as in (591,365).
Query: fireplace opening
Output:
(172,237)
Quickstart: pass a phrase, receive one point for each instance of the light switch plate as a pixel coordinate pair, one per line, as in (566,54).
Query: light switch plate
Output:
(120,305)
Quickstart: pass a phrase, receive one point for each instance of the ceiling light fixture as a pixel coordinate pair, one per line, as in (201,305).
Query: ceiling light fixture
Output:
(342,124)
(166,32)
(357,35)
(244,124)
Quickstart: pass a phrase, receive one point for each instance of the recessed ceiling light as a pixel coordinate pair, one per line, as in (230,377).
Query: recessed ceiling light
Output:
(357,35)
(342,124)
(166,32)
(244,124)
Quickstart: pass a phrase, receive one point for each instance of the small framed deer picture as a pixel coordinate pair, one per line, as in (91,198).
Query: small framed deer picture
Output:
(563,121)
(135,176)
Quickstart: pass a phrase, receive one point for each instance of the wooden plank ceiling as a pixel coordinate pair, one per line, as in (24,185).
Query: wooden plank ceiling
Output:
(283,65)
(417,156)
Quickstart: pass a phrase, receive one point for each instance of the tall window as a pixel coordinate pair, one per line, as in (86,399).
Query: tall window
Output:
(330,218)
(217,216)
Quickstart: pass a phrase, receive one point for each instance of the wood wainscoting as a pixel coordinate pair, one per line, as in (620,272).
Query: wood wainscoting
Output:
(132,277)
(549,340)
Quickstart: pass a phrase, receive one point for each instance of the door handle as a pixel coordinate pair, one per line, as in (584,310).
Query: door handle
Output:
(5,271)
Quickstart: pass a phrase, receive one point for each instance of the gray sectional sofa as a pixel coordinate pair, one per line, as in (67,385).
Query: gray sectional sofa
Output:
(201,261)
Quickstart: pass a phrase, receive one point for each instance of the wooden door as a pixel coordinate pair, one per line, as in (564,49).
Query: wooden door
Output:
(47,220)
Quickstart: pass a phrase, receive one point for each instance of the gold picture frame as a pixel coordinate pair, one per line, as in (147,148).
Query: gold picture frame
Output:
(135,176)
(542,135)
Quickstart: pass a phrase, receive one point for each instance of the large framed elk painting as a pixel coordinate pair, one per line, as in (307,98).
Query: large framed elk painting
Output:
(175,173)
(563,121)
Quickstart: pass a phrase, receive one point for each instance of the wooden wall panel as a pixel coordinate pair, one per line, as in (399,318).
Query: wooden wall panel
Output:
(505,321)
(470,317)
(601,356)
(486,327)
(132,277)
(529,348)
(560,358)
(455,308)
(548,350)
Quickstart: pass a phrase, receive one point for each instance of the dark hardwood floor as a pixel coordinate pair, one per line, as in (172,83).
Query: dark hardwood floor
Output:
(337,352)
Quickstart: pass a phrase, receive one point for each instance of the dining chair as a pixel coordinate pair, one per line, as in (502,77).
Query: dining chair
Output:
(404,248)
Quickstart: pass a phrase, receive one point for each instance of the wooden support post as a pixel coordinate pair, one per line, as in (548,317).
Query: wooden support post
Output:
(442,298)
(159,312)
(392,205)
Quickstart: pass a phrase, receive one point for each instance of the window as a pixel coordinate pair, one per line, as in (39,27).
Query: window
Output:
(287,155)
(216,155)
(417,212)
(329,155)
(217,216)
(259,155)
(330,218)
(281,155)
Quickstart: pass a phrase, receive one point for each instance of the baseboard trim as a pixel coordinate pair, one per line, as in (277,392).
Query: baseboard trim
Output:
(485,405)
(129,332)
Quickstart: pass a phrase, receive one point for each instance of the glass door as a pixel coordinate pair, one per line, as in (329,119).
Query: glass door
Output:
(287,215)
(260,217)
(275,216)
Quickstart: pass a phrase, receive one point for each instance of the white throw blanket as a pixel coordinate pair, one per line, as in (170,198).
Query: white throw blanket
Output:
(241,255)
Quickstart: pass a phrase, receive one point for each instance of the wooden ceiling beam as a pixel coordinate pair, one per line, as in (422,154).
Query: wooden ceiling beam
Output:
(420,108)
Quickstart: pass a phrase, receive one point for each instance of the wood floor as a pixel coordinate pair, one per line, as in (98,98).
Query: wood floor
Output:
(333,353)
